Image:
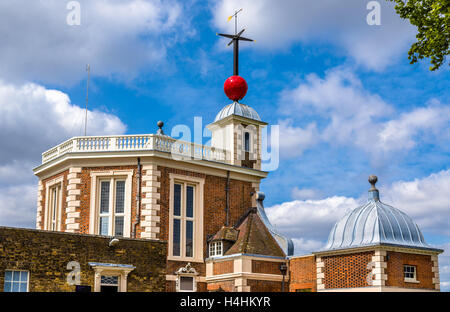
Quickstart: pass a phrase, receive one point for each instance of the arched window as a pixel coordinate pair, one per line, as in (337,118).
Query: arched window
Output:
(247,142)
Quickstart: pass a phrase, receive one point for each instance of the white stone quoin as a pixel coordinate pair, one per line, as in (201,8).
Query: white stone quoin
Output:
(73,205)
(149,202)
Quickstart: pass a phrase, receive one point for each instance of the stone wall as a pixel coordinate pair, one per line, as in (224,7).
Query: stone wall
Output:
(45,255)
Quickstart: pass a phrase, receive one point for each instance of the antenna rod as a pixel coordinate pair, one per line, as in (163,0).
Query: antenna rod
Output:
(88,69)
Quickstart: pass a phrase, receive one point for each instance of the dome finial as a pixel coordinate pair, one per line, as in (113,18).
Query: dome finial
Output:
(372,180)
(373,192)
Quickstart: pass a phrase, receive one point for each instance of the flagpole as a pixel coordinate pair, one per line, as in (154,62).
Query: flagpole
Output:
(88,69)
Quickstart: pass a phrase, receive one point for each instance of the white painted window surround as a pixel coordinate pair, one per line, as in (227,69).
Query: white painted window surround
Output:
(410,273)
(185,221)
(16,281)
(53,204)
(110,203)
(215,249)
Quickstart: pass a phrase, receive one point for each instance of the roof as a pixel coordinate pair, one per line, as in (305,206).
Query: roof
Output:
(237,109)
(226,233)
(254,238)
(375,223)
(254,234)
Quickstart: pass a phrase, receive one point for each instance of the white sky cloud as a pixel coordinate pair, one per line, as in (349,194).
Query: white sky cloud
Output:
(278,24)
(33,119)
(294,140)
(353,116)
(310,219)
(305,193)
(39,45)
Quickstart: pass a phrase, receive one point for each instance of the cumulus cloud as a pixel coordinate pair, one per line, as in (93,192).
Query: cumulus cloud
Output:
(399,134)
(310,219)
(294,140)
(350,115)
(33,119)
(18,205)
(279,24)
(426,200)
(118,38)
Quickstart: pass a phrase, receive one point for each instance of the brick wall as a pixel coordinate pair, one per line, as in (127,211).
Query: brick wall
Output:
(266,267)
(302,273)
(348,270)
(214,208)
(85,196)
(223,267)
(227,286)
(45,255)
(394,270)
(265,286)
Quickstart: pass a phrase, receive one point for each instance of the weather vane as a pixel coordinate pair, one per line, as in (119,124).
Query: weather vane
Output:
(235,86)
(235,40)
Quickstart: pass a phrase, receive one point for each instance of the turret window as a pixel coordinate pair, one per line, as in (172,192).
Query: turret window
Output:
(410,273)
(247,142)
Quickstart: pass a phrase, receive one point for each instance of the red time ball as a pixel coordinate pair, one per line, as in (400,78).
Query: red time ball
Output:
(235,88)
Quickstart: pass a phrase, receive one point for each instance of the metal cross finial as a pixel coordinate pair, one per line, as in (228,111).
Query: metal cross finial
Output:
(235,40)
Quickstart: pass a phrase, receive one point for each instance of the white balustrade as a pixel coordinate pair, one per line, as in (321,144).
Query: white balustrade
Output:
(135,143)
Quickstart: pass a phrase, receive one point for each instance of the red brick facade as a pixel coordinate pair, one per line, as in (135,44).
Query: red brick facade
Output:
(223,267)
(266,267)
(265,286)
(394,270)
(302,272)
(347,270)
(214,203)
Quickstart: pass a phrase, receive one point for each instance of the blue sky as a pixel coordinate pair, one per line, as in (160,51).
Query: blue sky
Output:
(347,100)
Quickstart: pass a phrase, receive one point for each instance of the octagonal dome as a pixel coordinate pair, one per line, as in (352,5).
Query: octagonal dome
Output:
(237,109)
(375,223)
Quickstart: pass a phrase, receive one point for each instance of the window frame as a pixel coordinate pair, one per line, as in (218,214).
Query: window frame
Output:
(113,177)
(197,219)
(12,281)
(414,272)
(213,246)
(105,269)
(50,209)
(112,206)
(187,271)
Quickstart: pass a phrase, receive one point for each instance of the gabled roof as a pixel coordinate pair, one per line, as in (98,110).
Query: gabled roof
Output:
(254,237)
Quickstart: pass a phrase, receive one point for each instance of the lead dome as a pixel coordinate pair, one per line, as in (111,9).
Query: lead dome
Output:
(237,109)
(375,223)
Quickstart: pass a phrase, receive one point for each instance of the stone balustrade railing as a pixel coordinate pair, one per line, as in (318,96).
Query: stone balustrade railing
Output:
(152,142)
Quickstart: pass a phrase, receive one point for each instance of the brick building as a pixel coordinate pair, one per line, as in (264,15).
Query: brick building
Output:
(201,208)
(153,187)
(376,248)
